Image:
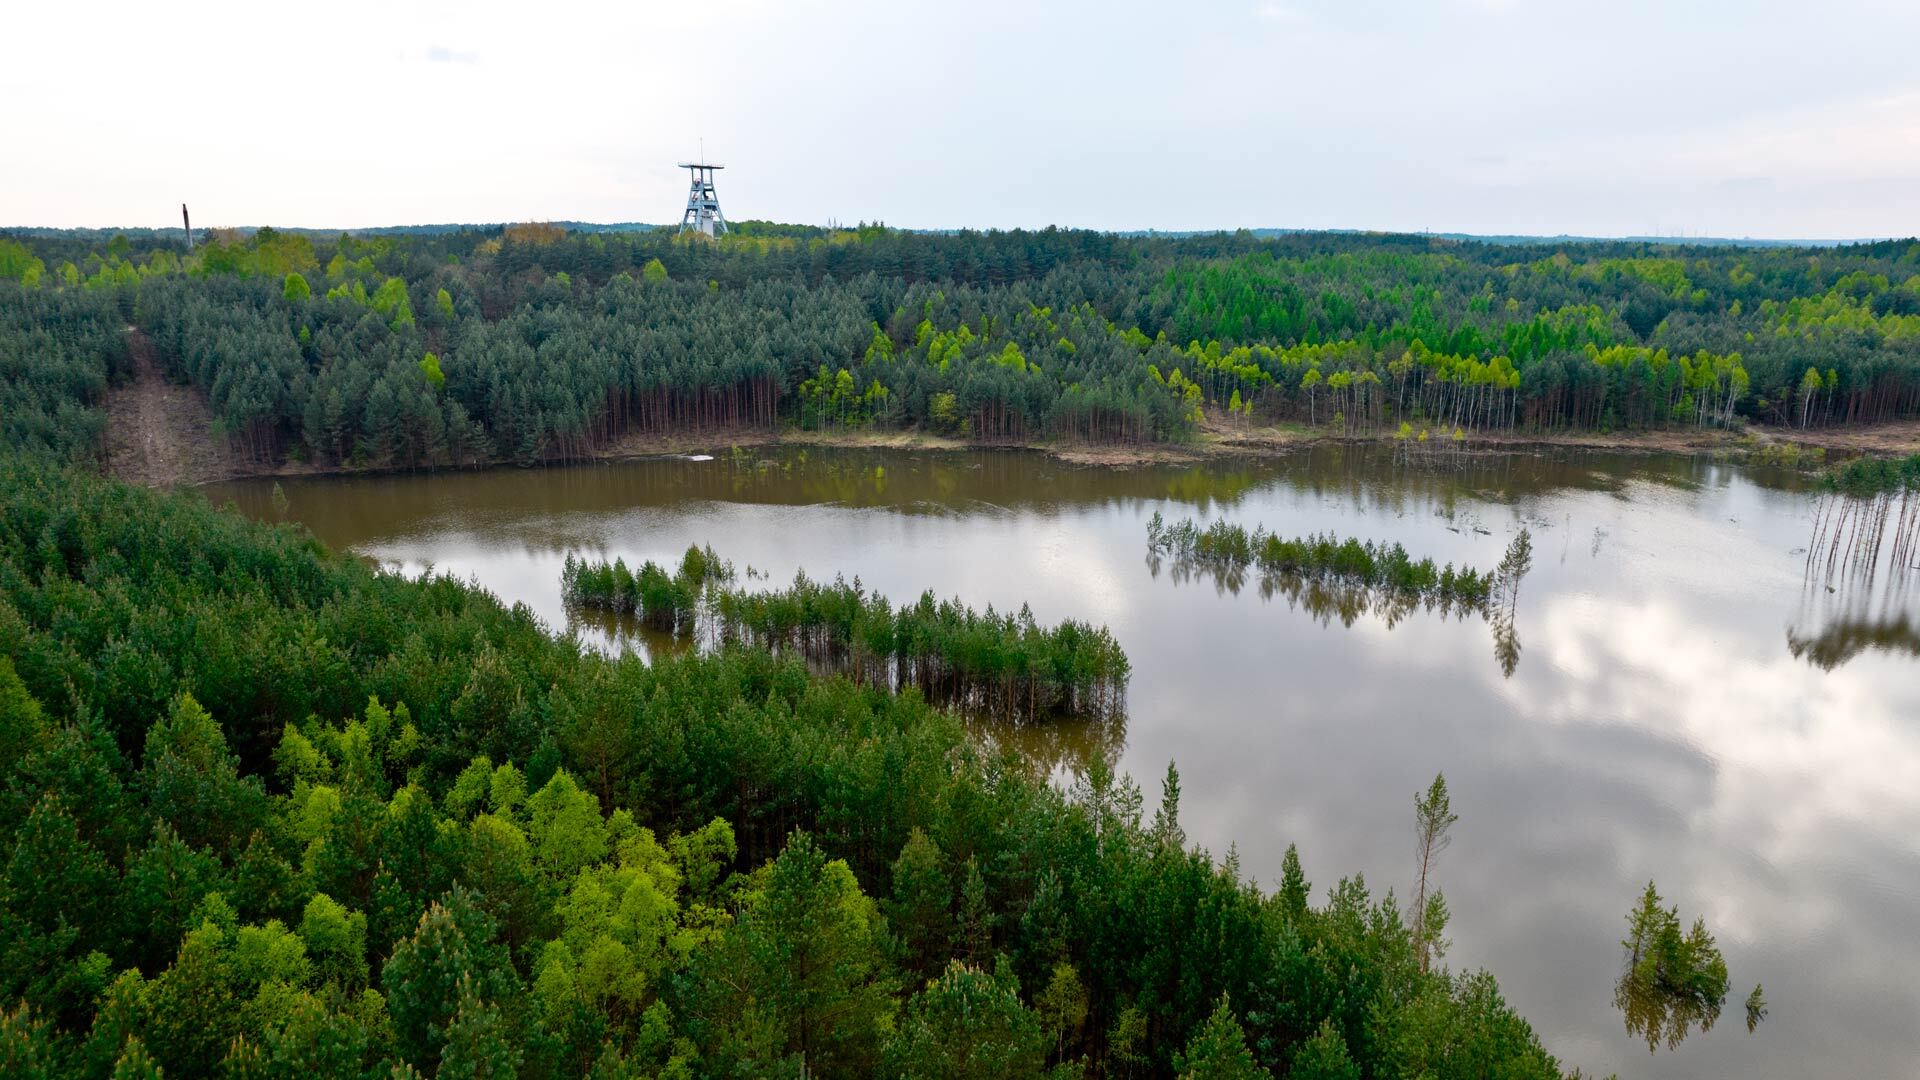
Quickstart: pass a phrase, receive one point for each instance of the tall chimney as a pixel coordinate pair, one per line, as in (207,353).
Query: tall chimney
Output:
(187,224)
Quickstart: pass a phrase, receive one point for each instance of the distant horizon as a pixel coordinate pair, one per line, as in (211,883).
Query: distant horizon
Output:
(582,224)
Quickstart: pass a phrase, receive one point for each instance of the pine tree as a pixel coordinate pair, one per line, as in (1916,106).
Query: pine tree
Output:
(965,1024)
(1294,887)
(1433,818)
(1218,1051)
(920,909)
(1323,1057)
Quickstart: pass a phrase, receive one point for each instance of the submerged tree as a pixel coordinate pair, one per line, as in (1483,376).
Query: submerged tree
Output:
(1226,551)
(1869,507)
(984,663)
(1673,981)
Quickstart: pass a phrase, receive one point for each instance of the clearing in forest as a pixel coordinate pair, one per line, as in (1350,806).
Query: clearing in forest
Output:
(160,434)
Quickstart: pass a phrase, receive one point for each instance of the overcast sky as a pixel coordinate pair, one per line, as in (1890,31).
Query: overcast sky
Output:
(1600,117)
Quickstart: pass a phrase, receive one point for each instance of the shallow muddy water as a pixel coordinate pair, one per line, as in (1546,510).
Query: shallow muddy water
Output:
(1684,705)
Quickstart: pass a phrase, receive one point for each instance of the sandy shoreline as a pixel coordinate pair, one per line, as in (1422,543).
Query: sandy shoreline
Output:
(1214,441)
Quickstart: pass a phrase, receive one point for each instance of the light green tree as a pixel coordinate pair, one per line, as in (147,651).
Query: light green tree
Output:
(20,264)
(968,1023)
(1063,1006)
(1433,821)
(565,827)
(1323,1057)
(1218,1051)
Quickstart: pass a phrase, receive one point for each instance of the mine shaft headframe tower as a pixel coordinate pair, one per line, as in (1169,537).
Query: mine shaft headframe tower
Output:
(703,206)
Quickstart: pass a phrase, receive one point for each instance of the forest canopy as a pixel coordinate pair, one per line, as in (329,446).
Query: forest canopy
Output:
(272,811)
(268,810)
(550,344)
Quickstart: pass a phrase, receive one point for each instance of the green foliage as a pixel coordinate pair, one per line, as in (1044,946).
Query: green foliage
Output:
(23,727)
(1459,1029)
(1865,477)
(336,940)
(1434,819)
(1756,1007)
(58,350)
(1062,1006)
(985,662)
(1227,550)
(27,1049)
(1218,1051)
(20,264)
(269,253)
(802,978)
(229,849)
(193,782)
(391,300)
(920,911)
(136,1064)
(447,971)
(967,1023)
(1323,1057)
(1673,981)
(1058,336)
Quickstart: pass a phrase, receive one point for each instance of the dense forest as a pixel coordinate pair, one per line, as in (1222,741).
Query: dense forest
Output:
(268,810)
(533,342)
(271,811)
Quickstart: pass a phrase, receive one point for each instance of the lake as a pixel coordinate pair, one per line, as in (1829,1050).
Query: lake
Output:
(1684,707)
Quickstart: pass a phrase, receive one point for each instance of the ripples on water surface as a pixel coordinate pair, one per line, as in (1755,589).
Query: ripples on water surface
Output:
(1684,707)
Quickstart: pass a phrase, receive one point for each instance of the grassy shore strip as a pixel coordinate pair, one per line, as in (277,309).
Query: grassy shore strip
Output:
(1766,446)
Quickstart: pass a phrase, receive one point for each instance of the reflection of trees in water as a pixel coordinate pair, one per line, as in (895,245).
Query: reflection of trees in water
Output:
(1505,601)
(1858,536)
(614,633)
(1859,590)
(1861,565)
(1064,746)
(1844,639)
(1328,600)
(1506,641)
(1657,1017)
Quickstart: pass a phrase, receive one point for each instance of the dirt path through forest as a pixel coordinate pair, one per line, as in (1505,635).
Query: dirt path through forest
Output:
(159,434)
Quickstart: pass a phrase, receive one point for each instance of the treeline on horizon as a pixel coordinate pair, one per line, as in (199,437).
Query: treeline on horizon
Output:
(272,811)
(532,343)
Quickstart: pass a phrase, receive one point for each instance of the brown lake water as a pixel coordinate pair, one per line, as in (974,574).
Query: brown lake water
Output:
(1685,707)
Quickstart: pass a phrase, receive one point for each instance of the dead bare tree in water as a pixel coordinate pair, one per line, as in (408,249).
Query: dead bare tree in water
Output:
(1868,509)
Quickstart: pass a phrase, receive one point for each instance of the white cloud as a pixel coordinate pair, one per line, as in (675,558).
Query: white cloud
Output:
(440,54)
(1276,12)
(1361,113)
